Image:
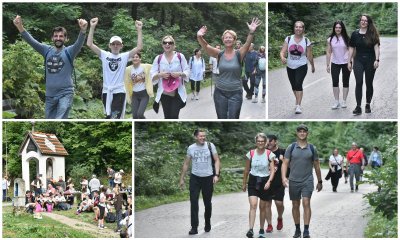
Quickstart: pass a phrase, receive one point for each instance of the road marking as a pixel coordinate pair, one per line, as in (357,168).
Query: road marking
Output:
(316,81)
(213,226)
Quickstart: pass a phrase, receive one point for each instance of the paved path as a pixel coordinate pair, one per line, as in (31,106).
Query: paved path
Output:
(86,227)
(330,211)
(204,108)
(318,96)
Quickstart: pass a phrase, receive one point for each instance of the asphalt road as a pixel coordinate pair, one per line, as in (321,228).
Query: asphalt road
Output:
(334,215)
(318,96)
(204,107)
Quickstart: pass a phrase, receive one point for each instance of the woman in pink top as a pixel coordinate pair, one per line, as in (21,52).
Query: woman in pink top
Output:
(337,58)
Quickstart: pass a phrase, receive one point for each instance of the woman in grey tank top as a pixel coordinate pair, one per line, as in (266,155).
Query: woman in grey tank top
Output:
(228,94)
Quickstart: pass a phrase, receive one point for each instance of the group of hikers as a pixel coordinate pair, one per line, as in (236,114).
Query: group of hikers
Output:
(169,71)
(268,170)
(359,52)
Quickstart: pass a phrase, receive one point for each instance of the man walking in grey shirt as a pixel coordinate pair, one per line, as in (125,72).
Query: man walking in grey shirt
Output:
(301,157)
(203,177)
(58,67)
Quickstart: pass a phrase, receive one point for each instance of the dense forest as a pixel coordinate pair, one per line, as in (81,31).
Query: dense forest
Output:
(92,146)
(319,18)
(24,86)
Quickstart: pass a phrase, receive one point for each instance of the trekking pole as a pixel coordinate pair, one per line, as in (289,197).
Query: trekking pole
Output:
(211,82)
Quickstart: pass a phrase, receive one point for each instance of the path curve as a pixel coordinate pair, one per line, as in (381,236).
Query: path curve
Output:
(230,216)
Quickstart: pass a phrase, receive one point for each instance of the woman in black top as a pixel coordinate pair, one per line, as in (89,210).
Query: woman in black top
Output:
(364,44)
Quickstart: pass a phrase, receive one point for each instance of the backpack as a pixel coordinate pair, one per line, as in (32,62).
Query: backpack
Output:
(69,60)
(306,39)
(311,148)
(212,159)
(192,59)
(262,62)
(237,53)
(111,217)
(268,153)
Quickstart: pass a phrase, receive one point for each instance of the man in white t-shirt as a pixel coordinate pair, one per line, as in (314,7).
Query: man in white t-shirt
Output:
(114,64)
(204,174)
(213,62)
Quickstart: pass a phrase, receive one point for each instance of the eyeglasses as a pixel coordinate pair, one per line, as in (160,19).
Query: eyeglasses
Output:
(169,43)
(362,20)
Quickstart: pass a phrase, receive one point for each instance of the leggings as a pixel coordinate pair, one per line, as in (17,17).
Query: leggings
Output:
(335,71)
(296,77)
(195,85)
(117,105)
(139,104)
(364,64)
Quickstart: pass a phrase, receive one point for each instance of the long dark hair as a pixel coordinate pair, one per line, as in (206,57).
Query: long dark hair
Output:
(344,34)
(372,34)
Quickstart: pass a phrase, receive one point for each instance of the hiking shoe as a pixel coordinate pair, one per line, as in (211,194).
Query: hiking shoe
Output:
(207,228)
(357,111)
(193,231)
(343,104)
(250,233)
(297,234)
(367,108)
(298,109)
(263,100)
(269,228)
(336,105)
(279,226)
(255,99)
(306,234)
(261,233)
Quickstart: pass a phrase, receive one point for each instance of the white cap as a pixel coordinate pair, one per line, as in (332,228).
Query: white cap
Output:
(115,38)
(121,171)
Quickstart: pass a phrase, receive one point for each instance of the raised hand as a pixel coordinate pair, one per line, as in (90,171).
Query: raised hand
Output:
(254,24)
(18,21)
(94,21)
(83,24)
(202,31)
(138,25)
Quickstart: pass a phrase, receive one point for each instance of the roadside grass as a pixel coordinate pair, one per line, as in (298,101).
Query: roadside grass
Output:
(25,226)
(380,227)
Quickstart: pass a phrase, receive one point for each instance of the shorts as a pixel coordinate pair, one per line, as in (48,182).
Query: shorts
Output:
(255,187)
(278,193)
(297,190)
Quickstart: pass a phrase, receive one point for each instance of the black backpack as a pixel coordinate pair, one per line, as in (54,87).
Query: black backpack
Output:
(111,217)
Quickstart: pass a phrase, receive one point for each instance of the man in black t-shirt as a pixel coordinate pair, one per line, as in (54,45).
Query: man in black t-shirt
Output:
(277,188)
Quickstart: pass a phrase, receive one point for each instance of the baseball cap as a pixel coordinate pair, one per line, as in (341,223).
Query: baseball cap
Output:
(121,171)
(115,38)
(302,126)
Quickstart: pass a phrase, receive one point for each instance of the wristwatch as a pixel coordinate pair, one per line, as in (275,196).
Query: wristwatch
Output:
(320,181)
(217,175)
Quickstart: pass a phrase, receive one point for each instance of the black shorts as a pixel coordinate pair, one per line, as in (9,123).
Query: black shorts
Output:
(278,193)
(255,187)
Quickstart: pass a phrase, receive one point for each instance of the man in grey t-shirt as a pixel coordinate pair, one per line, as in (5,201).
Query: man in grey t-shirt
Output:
(203,177)
(301,158)
(58,59)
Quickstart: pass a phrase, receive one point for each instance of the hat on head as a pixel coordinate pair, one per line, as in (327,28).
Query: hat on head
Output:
(354,143)
(115,39)
(94,176)
(121,171)
(302,127)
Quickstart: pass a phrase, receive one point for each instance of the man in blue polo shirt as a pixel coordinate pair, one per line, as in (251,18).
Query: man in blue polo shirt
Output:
(301,157)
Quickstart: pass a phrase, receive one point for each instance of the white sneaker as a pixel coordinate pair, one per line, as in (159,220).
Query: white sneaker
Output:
(344,104)
(336,105)
(193,97)
(298,109)
(255,99)
(197,97)
(263,100)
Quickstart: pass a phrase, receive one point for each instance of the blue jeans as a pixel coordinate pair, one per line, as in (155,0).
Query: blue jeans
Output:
(111,183)
(58,107)
(228,103)
(355,171)
(260,74)
(4,194)
(118,214)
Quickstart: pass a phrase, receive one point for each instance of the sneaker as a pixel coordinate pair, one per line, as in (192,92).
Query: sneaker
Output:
(306,234)
(297,234)
(197,97)
(343,104)
(249,96)
(261,233)
(367,108)
(263,100)
(250,233)
(279,226)
(357,111)
(269,228)
(193,231)
(356,188)
(336,105)
(298,109)
(192,97)
(207,228)
(101,227)
(255,99)
(352,190)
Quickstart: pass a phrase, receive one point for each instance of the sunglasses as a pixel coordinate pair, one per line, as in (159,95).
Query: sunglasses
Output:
(169,43)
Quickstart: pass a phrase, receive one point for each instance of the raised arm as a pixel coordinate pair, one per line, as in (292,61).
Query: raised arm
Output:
(76,47)
(139,46)
(39,47)
(18,23)
(211,51)
(89,43)
(255,22)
